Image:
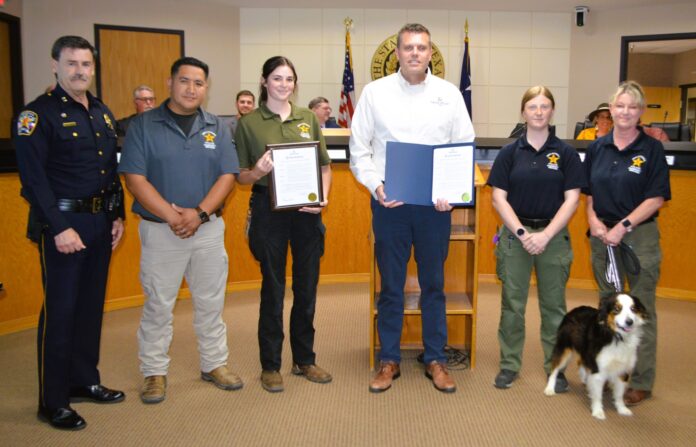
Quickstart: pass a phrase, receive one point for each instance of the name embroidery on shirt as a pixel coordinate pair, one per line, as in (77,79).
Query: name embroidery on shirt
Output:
(638,161)
(304,130)
(553,160)
(209,139)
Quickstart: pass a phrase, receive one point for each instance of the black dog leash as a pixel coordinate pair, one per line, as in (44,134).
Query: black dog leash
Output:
(628,259)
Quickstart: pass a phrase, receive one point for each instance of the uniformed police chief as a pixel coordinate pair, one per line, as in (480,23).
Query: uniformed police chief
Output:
(66,154)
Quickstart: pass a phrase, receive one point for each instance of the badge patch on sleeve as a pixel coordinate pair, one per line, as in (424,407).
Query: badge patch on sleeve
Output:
(26,123)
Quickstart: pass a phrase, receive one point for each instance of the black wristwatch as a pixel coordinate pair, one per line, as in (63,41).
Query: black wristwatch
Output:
(520,231)
(627,225)
(202,215)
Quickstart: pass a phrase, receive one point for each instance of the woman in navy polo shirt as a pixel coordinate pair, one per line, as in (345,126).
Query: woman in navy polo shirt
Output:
(536,187)
(628,182)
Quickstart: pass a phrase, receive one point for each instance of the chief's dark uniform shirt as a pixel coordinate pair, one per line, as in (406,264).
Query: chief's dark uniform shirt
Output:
(64,151)
(619,181)
(536,181)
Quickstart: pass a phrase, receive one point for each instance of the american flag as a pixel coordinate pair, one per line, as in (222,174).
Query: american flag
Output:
(345,109)
(465,80)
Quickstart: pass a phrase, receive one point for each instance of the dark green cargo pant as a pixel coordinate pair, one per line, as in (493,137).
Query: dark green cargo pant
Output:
(644,240)
(514,269)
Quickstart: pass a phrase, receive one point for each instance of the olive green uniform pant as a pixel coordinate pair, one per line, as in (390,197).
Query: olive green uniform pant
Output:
(514,269)
(644,240)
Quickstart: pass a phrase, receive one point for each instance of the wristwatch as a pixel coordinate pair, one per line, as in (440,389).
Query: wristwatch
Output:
(202,215)
(520,231)
(627,225)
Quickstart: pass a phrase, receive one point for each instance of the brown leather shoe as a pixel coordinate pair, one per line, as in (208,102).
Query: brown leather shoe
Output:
(223,378)
(442,381)
(312,373)
(633,397)
(272,381)
(154,389)
(388,372)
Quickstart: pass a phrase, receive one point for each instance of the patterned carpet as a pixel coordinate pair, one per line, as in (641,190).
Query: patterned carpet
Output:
(344,413)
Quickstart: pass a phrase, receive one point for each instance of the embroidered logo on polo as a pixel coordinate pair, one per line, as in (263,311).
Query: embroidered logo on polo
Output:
(304,130)
(638,161)
(209,139)
(553,158)
(439,101)
(26,123)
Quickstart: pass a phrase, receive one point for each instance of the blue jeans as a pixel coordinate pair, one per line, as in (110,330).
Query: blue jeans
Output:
(396,230)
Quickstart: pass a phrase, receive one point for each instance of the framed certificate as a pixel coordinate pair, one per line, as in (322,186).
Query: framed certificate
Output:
(295,180)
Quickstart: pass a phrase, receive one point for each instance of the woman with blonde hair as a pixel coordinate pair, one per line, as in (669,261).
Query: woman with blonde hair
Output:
(536,184)
(628,182)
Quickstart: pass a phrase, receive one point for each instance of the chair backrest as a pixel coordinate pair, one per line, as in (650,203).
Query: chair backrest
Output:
(580,126)
(685,132)
(673,130)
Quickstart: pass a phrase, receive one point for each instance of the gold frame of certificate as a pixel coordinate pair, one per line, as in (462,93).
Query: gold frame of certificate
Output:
(295,180)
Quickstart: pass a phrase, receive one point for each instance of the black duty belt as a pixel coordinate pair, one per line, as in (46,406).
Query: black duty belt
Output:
(260,189)
(534,224)
(92,205)
(217,213)
(612,223)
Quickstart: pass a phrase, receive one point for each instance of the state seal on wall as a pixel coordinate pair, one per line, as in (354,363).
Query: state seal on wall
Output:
(384,61)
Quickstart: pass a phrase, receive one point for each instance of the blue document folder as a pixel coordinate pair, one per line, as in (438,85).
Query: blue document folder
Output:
(409,172)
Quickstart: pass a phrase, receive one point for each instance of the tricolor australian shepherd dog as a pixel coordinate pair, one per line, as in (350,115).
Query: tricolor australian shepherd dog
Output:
(606,340)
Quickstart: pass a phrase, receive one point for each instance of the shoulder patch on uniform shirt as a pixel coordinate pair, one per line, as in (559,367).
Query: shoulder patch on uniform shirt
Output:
(553,160)
(26,123)
(304,130)
(209,139)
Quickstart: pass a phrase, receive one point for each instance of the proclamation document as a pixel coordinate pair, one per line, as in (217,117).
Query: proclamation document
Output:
(295,180)
(453,174)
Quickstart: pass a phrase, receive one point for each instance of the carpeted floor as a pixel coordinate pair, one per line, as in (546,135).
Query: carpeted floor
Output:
(344,413)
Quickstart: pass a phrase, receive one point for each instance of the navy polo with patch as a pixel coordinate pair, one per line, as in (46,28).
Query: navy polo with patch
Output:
(536,181)
(619,181)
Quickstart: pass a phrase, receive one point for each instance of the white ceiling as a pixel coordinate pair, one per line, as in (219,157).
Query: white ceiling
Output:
(663,46)
(481,5)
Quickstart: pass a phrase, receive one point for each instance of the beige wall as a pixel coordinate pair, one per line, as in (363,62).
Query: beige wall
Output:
(509,52)
(595,48)
(642,68)
(12,7)
(211,34)
(685,68)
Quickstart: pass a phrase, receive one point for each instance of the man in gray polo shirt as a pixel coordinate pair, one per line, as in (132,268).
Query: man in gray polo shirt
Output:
(180,164)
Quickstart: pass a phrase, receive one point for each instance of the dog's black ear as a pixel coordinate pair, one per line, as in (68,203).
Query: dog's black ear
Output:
(640,308)
(606,304)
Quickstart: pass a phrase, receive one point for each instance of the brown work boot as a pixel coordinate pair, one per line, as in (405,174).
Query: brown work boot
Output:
(272,381)
(388,372)
(223,378)
(154,389)
(442,381)
(312,373)
(633,397)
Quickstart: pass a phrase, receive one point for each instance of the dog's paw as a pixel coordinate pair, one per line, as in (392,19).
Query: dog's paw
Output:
(599,414)
(624,411)
(550,390)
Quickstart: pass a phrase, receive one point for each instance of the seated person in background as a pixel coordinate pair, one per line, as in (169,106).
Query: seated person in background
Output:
(656,132)
(601,118)
(144,100)
(321,108)
(245,104)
